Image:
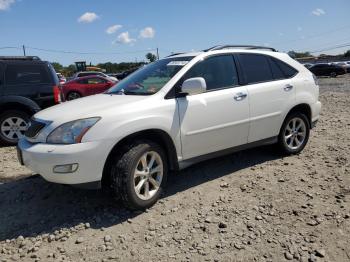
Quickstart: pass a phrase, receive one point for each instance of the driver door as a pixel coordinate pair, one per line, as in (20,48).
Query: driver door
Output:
(219,118)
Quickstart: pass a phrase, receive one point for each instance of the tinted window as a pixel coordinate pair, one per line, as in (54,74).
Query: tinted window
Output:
(96,80)
(26,74)
(256,68)
(276,70)
(218,72)
(287,70)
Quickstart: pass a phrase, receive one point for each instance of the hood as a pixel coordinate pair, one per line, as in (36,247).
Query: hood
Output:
(90,106)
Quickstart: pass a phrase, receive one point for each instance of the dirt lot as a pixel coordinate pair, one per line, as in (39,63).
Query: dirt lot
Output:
(250,206)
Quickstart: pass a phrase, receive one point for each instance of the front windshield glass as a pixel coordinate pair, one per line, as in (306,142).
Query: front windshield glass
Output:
(151,78)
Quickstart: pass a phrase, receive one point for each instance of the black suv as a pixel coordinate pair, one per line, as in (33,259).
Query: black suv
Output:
(27,85)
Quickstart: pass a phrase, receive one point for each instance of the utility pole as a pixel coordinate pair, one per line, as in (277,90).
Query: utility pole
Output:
(157,54)
(24,50)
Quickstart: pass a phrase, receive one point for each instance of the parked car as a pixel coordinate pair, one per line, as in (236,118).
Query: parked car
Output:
(327,70)
(345,65)
(85,86)
(95,73)
(27,85)
(61,78)
(171,114)
(308,65)
(124,74)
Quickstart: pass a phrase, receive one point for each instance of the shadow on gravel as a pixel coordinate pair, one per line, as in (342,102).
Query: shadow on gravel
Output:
(31,206)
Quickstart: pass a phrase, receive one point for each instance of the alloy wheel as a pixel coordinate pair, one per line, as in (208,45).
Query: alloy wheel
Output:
(295,133)
(13,128)
(148,175)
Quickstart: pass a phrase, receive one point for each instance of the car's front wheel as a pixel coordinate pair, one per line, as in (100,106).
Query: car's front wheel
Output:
(139,174)
(294,133)
(13,124)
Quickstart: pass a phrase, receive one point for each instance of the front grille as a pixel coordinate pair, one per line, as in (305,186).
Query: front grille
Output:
(34,129)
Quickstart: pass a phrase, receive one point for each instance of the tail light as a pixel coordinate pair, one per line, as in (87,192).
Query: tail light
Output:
(57,94)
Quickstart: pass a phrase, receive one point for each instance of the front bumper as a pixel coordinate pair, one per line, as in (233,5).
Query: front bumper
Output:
(42,158)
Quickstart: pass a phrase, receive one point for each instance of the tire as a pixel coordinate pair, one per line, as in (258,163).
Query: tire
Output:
(73,95)
(13,124)
(298,135)
(128,172)
(333,74)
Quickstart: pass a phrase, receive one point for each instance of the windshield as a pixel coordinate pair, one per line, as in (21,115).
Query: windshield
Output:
(151,78)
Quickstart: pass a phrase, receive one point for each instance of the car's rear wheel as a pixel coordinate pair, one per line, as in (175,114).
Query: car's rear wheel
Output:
(73,95)
(333,74)
(139,174)
(294,133)
(13,124)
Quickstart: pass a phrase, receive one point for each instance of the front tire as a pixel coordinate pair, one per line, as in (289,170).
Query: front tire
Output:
(13,124)
(139,174)
(294,133)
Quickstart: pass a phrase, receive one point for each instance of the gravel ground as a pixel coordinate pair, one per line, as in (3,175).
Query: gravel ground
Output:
(249,206)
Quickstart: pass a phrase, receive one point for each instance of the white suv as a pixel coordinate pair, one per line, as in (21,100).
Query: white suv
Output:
(170,114)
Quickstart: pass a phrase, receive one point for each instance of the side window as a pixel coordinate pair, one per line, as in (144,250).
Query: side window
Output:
(95,80)
(256,68)
(218,72)
(26,74)
(287,70)
(276,70)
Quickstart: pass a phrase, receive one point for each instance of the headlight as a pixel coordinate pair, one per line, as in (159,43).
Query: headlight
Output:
(71,132)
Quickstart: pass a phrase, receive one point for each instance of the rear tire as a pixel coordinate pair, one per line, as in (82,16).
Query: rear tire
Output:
(138,174)
(73,95)
(333,74)
(294,133)
(13,124)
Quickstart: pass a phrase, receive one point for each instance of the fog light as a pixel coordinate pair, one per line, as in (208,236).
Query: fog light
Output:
(62,169)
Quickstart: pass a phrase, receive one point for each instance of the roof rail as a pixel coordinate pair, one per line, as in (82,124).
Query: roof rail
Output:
(249,47)
(174,54)
(20,58)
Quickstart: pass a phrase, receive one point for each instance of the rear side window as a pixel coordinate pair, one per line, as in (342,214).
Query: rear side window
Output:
(287,70)
(26,74)
(218,72)
(256,68)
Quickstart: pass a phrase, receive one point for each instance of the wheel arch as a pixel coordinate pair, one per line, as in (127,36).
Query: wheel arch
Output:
(18,106)
(156,135)
(301,108)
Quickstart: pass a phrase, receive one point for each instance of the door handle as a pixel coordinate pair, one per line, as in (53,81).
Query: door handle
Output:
(288,87)
(240,96)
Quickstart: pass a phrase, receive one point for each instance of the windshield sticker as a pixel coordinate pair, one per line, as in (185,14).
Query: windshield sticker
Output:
(177,63)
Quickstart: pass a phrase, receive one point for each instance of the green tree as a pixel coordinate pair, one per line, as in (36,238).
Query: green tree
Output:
(151,57)
(294,54)
(347,53)
(57,66)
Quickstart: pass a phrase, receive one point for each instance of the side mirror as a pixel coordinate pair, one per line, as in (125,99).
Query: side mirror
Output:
(194,86)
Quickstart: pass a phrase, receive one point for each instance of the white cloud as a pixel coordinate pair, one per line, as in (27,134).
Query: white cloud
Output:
(5,4)
(124,38)
(147,32)
(88,17)
(318,12)
(112,29)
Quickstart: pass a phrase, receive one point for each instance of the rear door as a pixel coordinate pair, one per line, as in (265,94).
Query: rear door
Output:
(96,85)
(270,89)
(219,118)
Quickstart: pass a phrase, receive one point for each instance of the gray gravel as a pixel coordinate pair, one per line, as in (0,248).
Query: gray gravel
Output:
(250,206)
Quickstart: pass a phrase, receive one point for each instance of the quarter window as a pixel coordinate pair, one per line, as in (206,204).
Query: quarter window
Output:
(218,72)
(287,70)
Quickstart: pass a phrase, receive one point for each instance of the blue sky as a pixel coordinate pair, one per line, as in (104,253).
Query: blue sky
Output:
(178,25)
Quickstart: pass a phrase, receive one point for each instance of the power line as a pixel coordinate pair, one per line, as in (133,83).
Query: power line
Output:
(331,48)
(87,53)
(10,47)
